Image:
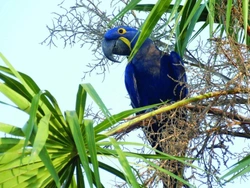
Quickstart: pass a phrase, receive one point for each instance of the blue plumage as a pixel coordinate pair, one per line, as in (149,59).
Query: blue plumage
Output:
(155,79)
(152,76)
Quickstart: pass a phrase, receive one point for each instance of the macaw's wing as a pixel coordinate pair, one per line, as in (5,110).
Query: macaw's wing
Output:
(131,85)
(172,65)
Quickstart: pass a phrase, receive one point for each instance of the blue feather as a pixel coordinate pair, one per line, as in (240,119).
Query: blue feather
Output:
(152,76)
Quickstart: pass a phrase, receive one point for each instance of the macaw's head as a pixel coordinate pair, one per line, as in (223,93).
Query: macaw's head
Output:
(120,41)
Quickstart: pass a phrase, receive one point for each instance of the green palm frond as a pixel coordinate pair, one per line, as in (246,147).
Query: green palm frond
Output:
(54,149)
(186,17)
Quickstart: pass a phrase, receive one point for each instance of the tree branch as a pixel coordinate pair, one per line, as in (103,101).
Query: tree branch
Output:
(130,125)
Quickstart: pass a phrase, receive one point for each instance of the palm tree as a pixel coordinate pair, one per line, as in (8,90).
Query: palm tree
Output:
(56,149)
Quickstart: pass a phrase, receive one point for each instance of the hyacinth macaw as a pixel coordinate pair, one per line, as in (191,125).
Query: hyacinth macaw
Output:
(152,76)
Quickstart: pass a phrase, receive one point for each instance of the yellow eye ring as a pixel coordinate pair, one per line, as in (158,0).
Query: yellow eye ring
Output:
(121,31)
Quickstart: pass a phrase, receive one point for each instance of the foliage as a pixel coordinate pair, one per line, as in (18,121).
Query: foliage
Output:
(68,145)
(218,104)
(61,143)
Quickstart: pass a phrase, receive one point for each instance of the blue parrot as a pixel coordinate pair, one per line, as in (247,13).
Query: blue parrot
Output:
(151,77)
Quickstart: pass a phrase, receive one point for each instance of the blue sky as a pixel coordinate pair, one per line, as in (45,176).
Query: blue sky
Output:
(58,70)
(23,27)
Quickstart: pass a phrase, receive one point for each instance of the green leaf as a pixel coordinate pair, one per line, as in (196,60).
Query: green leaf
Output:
(29,126)
(79,174)
(159,9)
(112,170)
(49,165)
(143,7)
(72,119)
(191,27)
(172,9)
(211,17)
(228,14)
(11,129)
(125,165)
(7,157)
(41,136)
(90,136)
(245,6)
(58,125)
(145,157)
(67,176)
(240,168)
(24,173)
(10,144)
(104,125)
(21,102)
(80,103)
(14,84)
(27,79)
(94,95)
(199,32)
(190,14)
(17,75)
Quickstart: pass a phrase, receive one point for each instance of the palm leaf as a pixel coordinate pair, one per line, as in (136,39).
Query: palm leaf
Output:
(55,149)
(238,169)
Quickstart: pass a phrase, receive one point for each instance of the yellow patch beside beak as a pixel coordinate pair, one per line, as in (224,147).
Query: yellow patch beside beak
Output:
(126,41)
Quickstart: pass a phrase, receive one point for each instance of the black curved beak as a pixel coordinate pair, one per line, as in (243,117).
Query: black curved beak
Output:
(118,47)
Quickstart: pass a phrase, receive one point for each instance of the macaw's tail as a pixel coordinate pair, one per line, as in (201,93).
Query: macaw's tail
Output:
(170,133)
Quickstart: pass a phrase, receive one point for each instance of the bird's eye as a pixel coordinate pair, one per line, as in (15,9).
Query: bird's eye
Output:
(121,30)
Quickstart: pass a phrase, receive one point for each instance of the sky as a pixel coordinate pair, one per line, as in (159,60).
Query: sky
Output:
(58,70)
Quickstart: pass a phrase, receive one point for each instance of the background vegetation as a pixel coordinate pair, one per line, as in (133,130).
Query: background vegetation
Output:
(66,149)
